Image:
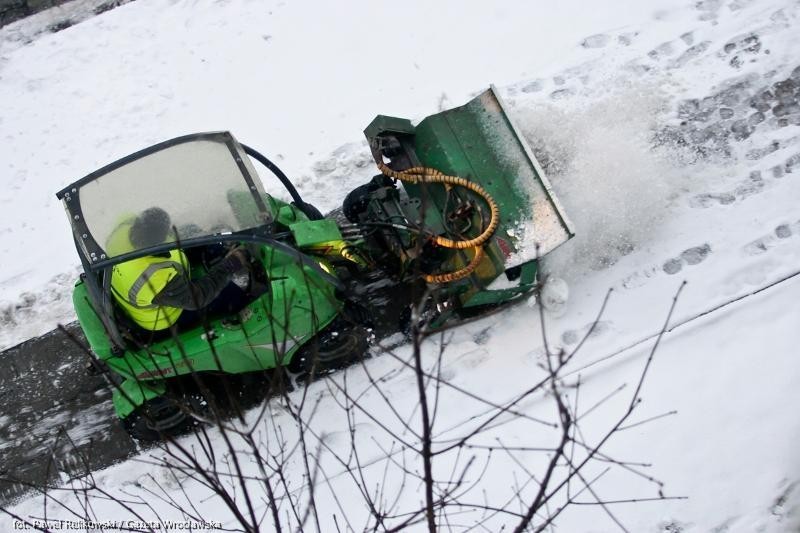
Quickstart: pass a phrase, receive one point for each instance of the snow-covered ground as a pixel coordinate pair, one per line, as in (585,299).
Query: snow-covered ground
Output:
(296,80)
(669,129)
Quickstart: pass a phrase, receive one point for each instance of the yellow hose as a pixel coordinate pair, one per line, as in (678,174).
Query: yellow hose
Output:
(416,175)
(458,274)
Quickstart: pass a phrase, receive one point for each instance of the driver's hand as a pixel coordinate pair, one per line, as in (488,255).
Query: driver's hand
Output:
(237,259)
(241,253)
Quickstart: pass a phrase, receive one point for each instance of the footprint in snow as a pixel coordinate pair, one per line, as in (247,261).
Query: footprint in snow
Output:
(533,87)
(759,153)
(736,5)
(562,93)
(672,526)
(792,163)
(625,39)
(340,437)
(673,266)
(325,167)
(742,49)
(593,329)
(662,50)
(483,336)
(696,255)
(725,526)
(668,49)
(690,53)
(781,506)
(753,184)
(707,199)
(784,231)
(599,40)
(775,238)
(690,256)
(710,126)
(708,9)
(447,374)
(471,359)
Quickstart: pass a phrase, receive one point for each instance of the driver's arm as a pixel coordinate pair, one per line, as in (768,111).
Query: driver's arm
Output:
(192,295)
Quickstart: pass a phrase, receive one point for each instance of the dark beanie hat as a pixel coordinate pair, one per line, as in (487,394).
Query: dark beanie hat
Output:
(150,228)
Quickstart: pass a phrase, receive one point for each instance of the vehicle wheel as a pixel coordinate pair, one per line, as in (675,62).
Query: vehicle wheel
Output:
(156,419)
(341,344)
(356,202)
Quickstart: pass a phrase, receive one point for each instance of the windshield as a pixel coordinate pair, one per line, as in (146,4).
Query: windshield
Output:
(200,185)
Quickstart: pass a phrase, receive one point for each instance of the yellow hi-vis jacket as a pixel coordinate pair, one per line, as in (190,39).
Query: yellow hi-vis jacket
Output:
(136,282)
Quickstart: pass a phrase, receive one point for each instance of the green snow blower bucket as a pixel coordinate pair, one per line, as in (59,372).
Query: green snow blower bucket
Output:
(508,201)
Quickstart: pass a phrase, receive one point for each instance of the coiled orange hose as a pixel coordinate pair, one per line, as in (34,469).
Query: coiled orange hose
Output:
(416,175)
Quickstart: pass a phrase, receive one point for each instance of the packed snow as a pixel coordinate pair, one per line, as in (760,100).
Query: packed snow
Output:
(670,131)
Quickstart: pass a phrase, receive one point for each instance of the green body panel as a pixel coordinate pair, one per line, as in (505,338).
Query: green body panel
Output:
(131,393)
(386,124)
(465,154)
(272,328)
(91,324)
(285,214)
(527,280)
(477,141)
(311,232)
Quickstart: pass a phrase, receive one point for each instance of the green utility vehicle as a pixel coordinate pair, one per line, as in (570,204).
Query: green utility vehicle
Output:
(458,216)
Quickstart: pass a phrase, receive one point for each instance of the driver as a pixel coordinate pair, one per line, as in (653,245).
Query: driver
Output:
(154,290)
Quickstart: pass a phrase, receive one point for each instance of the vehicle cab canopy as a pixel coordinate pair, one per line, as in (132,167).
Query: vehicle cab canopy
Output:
(205,183)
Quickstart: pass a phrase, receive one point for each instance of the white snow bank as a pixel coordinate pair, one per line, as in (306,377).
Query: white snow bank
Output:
(729,227)
(295,80)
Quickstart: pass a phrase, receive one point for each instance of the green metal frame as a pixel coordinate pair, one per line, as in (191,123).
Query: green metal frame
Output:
(298,305)
(479,142)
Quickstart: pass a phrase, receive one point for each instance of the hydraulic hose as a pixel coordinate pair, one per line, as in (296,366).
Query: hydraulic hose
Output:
(417,175)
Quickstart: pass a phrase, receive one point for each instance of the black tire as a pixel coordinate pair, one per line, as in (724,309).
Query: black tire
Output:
(356,202)
(157,418)
(341,344)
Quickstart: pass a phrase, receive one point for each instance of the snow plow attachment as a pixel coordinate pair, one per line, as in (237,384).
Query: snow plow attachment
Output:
(477,142)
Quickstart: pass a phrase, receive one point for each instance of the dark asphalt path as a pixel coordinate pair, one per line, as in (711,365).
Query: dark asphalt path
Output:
(55,418)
